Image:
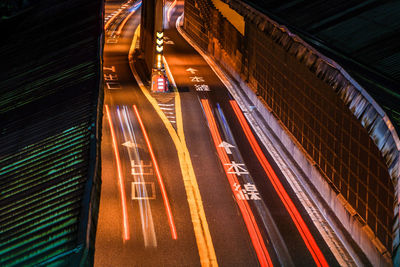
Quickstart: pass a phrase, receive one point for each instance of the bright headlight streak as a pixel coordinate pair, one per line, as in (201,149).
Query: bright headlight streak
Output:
(159,177)
(112,18)
(128,17)
(146,216)
(170,10)
(289,205)
(120,178)
(247,214)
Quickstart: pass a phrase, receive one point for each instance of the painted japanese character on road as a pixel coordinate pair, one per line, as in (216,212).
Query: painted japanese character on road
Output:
(249,192)
(141,168)
(202,87)
(236,168)
(197,79)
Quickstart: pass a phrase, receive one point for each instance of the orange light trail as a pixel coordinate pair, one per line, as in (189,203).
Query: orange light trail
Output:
(170,9)
(283,195)
(127,18)
(247,214)
(159,177)
(120,178)
(112,18)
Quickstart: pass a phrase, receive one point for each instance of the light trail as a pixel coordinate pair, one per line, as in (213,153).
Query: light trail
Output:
(159,177)
(112,18)
(170,10)
(146,216)
(247,214)
(120,178)
(134,8)
(283,195)
(268,222)
(204,241)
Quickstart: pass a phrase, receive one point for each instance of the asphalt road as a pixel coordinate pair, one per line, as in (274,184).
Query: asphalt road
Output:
(113,247)
(134,227)
(181,58)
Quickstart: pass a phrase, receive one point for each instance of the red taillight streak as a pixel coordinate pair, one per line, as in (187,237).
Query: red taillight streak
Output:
(247,214)
(120,178)
(288,203)
(159,177)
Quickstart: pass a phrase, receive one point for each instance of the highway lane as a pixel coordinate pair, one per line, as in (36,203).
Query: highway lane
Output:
(133,227)
(147,240)
(196,81)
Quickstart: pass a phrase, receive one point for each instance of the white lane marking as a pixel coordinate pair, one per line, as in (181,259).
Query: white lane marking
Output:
(111,41)
(113,85)
(112,68)
(162,108)
(226,146)
(191,70)
(165,105)
(141,168)
(139,190)
(110,77)
(129,144)
(146,217)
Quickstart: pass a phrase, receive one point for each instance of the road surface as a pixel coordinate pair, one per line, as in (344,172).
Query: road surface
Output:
(189,187)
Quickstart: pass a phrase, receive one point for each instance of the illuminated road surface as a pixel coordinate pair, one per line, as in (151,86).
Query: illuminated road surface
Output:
(241,155)
(133,227)
(227,211)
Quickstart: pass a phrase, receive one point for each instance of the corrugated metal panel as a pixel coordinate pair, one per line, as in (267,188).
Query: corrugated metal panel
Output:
(41,190)
(49,100)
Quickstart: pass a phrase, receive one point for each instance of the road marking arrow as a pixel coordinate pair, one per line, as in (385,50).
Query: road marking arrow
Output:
(191,70)
(129,144)
(227,147)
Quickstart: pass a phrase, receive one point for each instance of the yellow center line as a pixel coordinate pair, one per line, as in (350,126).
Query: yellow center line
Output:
(198,216)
